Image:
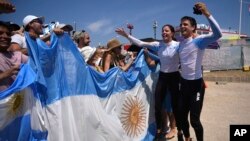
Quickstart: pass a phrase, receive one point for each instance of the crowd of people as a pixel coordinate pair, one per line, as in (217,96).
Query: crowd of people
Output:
(180,77)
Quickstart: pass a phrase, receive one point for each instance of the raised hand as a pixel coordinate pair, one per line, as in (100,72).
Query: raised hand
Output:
(121,32)
(202,7)
(58,31)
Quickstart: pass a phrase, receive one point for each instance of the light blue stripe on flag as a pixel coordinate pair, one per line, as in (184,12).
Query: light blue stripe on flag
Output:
(69,100)
(15,105)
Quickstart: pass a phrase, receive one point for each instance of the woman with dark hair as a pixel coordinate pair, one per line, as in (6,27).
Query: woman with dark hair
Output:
(169,72)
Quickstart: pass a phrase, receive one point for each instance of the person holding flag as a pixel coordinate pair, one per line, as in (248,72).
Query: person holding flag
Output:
(169,73)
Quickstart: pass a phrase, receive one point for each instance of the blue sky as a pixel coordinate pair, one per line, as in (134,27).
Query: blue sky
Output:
(101,17)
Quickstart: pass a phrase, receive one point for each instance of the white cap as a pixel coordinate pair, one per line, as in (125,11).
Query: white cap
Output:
(61,25)
(30,18)
(87,52)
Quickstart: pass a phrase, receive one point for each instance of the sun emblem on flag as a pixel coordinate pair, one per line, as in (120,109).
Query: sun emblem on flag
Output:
(16,104)
(133,116)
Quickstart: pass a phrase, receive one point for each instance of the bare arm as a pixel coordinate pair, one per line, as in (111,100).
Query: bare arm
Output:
(8,73)
(57,31)
(107,62)
(16,47)
(129,64)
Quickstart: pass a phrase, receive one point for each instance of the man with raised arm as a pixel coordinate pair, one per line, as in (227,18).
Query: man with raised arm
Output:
(191,52)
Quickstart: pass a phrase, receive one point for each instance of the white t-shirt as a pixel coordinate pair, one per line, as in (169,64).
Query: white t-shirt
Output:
(19,39)
(87,52)
(167,53)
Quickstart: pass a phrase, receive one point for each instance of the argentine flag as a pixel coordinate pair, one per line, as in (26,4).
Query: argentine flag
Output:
(15,107)
(67,100)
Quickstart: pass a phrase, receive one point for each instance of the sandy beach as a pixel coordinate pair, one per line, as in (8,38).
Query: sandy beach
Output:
(225,104)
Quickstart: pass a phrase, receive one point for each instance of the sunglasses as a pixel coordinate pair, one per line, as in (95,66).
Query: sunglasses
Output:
(37,21)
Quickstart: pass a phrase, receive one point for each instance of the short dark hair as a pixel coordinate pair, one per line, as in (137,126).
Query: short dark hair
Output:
(191,20)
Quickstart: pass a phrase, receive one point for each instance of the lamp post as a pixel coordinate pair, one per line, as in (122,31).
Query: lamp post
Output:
(154,27)
(74,30)
(240,16)
(75,25)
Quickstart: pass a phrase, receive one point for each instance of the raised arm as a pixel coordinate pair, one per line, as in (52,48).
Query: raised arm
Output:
(151,45)
(57,31)
(204,41)
(128,63)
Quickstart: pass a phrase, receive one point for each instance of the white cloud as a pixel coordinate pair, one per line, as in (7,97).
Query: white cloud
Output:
(103,26)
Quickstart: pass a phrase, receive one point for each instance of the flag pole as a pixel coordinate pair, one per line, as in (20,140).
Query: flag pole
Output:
(154,27)
(75,25)
(240,16)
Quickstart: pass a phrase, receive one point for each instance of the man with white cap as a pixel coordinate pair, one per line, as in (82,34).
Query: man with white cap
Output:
(34,25)
(31,24)
(65,27)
